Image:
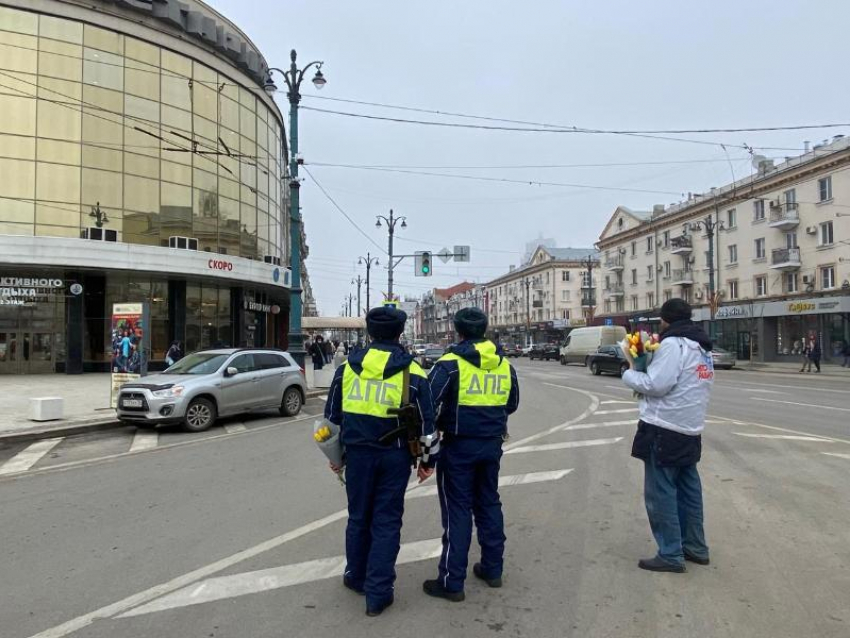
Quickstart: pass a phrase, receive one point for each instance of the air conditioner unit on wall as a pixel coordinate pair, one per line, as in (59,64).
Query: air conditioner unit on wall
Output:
(99,234)
(660,268)
(183,243)
(811,230)
(775,203)
(269,259)
(808,279)
(698,294)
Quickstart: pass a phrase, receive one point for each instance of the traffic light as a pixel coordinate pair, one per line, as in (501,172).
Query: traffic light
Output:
(423,264)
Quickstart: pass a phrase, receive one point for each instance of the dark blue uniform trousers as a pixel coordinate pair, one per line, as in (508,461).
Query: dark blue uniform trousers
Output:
(375,480)
(468,483)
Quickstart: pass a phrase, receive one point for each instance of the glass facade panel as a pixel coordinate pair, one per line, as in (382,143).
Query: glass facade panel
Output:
(103,69)
(59,152)
(105,187)
(18,53)
(60,60)
(17,147)
(59,121)
(18,178)
(57,183)
(109,41)
(59,29)
(18,21)
(18,115)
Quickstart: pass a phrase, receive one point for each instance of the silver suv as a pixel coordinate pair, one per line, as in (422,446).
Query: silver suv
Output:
(205,385)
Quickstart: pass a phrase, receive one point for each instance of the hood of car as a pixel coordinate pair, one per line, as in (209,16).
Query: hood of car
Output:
(163,381)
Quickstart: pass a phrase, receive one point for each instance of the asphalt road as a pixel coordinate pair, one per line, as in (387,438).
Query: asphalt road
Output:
(238,532)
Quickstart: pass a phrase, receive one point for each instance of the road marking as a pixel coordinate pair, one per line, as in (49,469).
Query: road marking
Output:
(841,456)
(805,405)
(547,447)
(140,598)
(778,429)
(745,389)
(224,587)
(144,440)
(324,397)
(788,387)
(504,481)
(235,428)
(620,411)
(787,437)
(29,456)
(610,401)
(604,424)
(617,387)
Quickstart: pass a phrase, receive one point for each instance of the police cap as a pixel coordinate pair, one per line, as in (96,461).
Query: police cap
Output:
(471,323)
(385,323)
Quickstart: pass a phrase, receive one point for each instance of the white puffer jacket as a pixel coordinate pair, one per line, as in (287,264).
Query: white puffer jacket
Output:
(676,387)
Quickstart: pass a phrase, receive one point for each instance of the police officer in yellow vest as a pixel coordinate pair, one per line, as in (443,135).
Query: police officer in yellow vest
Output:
(363,397)
(475,389)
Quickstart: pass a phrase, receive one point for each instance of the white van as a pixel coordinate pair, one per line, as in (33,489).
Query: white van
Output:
(583,342)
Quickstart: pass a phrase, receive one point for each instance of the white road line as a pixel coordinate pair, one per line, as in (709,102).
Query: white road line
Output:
(620,411)
(777,429)
(787,437)
(805,405)
(610,401)
(617,387)
(29,456)
(225,587)
(603,424)
(235,428)
(594,405)
(144,440)
(788,387)
(745,389)
(841,456)
(504,481)
(563,446)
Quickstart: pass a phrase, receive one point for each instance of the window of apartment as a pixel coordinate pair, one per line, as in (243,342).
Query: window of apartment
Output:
(649,274)
(620,305)
(650,300)
(733,253)
(791,240)
(565,314)
(634,302)
(668,295)
(758,210)
(731,218)
(826,236)
(650,244)
(759,248)
(733,288)
(790,198)
(761,286)
(827,277)
(666,270)
(565,275)
(565,295)
(547,276)
(790,282)
(607,305)
(665,238)
(634,276)
(607,282)
(634,248)
(825,188)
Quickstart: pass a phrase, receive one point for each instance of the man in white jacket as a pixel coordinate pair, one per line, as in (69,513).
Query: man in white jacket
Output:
(675,392)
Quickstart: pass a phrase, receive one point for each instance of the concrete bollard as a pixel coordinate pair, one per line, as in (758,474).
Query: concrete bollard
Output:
(47,408)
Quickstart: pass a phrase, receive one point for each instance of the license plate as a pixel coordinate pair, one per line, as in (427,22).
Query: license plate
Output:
(132,403)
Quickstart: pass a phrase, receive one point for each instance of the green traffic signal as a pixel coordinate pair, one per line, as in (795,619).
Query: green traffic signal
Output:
(425,268)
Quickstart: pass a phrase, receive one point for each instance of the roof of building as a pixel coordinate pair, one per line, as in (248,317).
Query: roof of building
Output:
(454,290)
(571,254)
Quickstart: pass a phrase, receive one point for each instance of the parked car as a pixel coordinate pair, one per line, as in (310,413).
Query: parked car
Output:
(418,348)
(430,356)
(583,342)
(526,350)
(545,352)
(511,350)
(723,358)
(608,359)
(209,384)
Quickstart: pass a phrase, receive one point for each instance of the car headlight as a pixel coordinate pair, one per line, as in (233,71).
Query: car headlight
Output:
(168,393)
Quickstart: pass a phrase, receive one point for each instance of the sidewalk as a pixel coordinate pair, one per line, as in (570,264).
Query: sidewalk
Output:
(827,369)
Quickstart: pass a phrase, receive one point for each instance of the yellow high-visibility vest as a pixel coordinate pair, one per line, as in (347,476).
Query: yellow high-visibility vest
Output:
(369,393)
(486,386)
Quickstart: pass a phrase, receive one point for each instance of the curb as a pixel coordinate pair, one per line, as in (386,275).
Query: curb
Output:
(71,428)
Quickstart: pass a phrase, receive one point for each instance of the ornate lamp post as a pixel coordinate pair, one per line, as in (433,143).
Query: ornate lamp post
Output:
(391,222)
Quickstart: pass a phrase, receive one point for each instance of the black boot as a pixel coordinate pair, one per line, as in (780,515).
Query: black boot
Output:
(658,565)
(435,588)
(699,561)
(491,582)
(378,609)
(349,584)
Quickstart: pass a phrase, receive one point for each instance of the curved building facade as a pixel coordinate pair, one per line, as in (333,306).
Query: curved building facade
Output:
(140,161)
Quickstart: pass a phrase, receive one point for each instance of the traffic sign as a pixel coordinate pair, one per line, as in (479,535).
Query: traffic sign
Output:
(461,253)
(445,254)
(423,264)
(609,321)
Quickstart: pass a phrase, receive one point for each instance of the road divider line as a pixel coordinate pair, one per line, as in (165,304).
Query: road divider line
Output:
(504,481)
(610,401)
(603,424)
(804,405)
(787,387)
(591,409)
(235,428)
(776,428)
(785,437)
(620,411)
(29,456)
(225,587)
(144,440)
(548,447)
(841,456)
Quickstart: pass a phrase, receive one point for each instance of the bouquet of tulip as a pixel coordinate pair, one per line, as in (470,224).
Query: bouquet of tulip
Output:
(639,347)
(327,437)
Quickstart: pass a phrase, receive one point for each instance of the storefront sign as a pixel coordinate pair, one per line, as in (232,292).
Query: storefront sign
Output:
(25,291)
(129,340)
(220,264)
(255,306)
(812,306)
(727,312)
(578,323)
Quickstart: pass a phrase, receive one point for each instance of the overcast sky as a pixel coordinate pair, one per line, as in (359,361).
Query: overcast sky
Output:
(616,64)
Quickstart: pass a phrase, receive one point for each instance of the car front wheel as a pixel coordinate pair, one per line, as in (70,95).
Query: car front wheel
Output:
(200,415)
(594,368)
(291,403)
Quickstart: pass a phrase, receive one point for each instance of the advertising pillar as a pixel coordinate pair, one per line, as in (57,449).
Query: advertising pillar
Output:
(130,347)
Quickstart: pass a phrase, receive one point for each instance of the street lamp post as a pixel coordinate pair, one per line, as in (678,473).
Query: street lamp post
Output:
(293,78)
(590,297)
(710,225)
(359,282)
(369,261)
(390,221)
(527,283)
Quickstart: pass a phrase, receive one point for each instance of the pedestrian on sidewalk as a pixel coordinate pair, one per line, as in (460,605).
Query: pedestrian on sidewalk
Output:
(339,356)
(846,352)
(812,354)
(317,352)
(675,391)
(475,390)
(174,354)
(328,351)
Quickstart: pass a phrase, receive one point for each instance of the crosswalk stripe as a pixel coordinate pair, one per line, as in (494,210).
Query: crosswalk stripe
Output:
(786,437)
(504,481)
(144,440)
(235,428)
(620,411)
(604,424)
(223,587)
(29,456)
(614,401)
(547,447)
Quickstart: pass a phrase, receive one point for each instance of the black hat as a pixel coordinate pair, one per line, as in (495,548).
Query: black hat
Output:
(675,310)
(471,323)
(385,324)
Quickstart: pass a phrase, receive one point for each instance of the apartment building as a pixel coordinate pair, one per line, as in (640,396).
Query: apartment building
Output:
(437,308)
(777,244)
(549,294)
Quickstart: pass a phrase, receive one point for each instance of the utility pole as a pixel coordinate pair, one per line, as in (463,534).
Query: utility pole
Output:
(710,225)
(391,222)
(527,282)
(589,298)
(358,281)
(350,299)
(369,261)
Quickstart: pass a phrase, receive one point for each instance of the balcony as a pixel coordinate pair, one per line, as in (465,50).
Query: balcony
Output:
(784,217)
(615,290)
(682,245)
(586,283)
(785,259)
(615,264)
(682,277)
(588,301)
(536,303)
